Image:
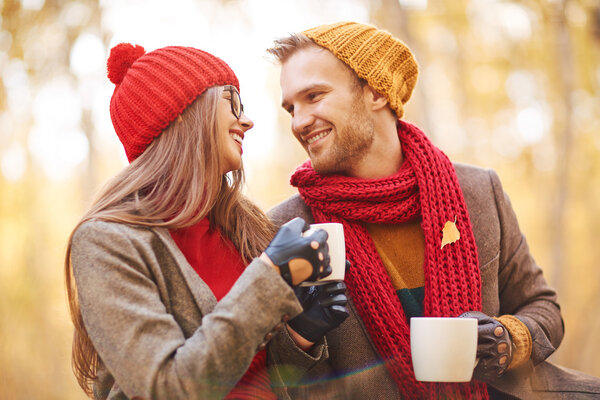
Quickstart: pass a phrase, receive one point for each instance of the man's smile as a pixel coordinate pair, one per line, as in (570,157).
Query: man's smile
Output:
(316,135)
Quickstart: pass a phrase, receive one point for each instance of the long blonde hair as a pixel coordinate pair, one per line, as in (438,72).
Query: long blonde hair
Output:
(174,183)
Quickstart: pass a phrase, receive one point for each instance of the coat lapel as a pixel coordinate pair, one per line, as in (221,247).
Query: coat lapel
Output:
(204,297)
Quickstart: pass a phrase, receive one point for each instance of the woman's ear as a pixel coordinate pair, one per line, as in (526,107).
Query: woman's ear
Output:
(376,100)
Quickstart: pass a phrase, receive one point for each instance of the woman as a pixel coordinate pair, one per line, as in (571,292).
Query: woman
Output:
(162,301)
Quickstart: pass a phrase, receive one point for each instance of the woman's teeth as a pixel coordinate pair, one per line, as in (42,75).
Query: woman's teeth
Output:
(236,137)
(319,136)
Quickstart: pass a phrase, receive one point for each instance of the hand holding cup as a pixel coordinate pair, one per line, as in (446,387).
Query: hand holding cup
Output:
(494,347)
(337,252)
(324,309)
(299,257)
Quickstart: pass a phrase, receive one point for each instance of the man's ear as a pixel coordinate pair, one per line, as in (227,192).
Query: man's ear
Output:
(375,100)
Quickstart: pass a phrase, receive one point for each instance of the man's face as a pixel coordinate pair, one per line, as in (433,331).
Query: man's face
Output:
(329,115)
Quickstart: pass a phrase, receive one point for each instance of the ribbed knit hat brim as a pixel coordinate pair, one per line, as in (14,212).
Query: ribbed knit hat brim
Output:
(375,55)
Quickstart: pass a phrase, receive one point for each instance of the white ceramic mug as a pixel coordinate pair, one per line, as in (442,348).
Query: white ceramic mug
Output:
(337,252)
(443,349)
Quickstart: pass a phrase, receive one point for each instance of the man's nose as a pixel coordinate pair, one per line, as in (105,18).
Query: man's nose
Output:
(301,120)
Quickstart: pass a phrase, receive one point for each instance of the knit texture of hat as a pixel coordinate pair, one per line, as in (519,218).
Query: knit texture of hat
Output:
(153,88)
(375,55)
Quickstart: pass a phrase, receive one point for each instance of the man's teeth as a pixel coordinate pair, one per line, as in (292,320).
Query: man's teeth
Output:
(319,136)
(236,137)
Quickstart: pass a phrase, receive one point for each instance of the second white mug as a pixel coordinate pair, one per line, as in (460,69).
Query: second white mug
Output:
(443,349)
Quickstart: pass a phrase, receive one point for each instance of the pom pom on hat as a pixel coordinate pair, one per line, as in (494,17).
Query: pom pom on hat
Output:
(122,56)
(153,88)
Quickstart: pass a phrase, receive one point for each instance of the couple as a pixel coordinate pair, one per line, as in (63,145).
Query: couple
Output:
(179,287)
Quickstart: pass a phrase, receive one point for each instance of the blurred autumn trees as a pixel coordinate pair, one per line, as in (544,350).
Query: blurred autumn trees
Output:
(508,85)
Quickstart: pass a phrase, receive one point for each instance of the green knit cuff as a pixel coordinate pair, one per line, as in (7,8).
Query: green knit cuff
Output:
(521,338)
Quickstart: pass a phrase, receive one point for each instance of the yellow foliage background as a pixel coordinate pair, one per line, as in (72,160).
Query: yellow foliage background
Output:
(508,85)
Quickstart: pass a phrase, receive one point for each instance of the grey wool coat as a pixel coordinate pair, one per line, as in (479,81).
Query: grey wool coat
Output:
(158,329)
(345,364)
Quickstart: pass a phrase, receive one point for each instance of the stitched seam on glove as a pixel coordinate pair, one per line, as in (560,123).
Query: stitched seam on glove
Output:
(521,338)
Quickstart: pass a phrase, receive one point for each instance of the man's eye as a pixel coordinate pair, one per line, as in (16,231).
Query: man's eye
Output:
(313,95)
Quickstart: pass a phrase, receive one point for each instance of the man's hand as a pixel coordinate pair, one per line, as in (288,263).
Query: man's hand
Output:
(299,258)
(324,309)
(494,347)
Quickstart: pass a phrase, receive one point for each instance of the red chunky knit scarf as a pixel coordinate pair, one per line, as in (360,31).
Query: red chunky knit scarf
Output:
(426,186)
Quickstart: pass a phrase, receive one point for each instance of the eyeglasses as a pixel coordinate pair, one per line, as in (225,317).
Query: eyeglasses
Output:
(237,108)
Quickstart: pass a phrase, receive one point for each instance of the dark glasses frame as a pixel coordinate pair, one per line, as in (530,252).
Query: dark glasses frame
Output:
(237,108)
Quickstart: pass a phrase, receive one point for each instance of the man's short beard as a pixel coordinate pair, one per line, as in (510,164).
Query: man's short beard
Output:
(351,143)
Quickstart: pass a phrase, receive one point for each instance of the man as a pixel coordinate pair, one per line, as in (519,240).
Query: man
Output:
(345,86)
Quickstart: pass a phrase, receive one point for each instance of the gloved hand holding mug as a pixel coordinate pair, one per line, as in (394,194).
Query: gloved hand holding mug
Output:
(324,309)
(494,347)
(298,258)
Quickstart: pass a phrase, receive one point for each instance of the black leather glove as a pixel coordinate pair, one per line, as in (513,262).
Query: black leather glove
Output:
(324,309)
(299,258)
(494,347)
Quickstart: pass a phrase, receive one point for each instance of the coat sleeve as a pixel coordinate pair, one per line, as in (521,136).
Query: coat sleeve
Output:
(140,342)
(522,288)
(289,365)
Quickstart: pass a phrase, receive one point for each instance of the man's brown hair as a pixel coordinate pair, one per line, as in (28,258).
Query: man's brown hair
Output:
(286,46)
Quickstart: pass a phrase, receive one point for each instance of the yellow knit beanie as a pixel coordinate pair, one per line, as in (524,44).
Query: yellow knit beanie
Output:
(375,55)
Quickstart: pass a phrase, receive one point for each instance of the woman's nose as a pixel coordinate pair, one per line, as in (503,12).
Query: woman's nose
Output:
(245,122)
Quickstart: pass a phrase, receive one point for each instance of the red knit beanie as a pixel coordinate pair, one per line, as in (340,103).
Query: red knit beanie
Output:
(153,88)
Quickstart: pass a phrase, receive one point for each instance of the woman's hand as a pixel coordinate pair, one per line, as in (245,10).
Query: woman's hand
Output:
(298,258)
(324,309)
